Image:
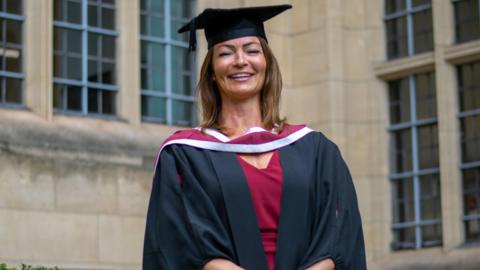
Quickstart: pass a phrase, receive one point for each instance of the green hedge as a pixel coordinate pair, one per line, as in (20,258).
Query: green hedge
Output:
(26,267)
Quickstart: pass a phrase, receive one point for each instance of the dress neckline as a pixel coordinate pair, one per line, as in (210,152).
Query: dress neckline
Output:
(269,164)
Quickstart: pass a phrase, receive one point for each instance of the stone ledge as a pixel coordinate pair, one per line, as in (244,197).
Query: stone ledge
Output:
(82,138)
(397,68)
(462,53)
(464,258)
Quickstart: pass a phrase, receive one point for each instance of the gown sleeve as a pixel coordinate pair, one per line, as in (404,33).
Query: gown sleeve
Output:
(337,227)
(183,228)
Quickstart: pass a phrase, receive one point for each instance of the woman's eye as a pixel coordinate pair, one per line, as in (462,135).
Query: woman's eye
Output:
(223,54)
(253,51)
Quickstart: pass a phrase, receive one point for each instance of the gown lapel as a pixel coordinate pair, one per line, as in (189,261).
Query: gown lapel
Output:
(240,211)
(293,212)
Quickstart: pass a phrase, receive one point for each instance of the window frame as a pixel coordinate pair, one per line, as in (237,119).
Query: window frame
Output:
(4,74)
(466,165)
(455,23)
(85,30)
(415,173)
(410,34)
(168,95)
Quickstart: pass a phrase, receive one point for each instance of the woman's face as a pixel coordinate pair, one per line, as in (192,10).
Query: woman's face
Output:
(239,67)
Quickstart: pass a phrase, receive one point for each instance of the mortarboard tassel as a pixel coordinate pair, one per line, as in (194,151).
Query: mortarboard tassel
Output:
(193,36)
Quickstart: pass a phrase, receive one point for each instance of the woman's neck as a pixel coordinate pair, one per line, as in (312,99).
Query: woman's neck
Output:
(237,118)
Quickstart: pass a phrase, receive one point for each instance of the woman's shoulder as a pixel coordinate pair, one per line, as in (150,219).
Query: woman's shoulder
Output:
(315,138)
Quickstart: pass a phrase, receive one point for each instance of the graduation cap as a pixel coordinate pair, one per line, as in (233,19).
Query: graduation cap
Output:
(224,24)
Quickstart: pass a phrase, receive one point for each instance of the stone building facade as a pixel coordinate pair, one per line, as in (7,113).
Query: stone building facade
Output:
(83,109)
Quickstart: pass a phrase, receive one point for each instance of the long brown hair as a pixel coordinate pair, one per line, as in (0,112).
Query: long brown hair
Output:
(211,102)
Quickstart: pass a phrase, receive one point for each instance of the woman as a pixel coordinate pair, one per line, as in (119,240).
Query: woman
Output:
(247,190)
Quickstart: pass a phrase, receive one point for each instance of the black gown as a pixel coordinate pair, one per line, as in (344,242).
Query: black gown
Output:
(200,209)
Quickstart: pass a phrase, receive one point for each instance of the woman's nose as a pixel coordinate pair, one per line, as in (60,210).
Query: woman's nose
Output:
(240,59)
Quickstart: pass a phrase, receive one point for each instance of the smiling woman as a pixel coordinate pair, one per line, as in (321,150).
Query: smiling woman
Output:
(246,190)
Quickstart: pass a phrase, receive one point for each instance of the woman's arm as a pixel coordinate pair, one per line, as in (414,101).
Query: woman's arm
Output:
(323,265)
(221,264)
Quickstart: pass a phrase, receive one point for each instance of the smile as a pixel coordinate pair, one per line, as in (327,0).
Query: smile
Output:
(243,76)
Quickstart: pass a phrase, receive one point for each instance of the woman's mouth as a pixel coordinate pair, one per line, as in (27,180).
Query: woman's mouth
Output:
(243,76)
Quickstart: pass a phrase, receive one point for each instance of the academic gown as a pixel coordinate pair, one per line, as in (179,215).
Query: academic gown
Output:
(200,206)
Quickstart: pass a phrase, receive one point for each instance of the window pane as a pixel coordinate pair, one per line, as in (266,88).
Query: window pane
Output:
(74,41)
(397,45)
(14,32)
(180,11)
(416,3)
(74,68)
(399,97)
(470,138)
(93,73)
(67,97)
(108,47)
(13,6)
(423,31)
(403,206)
(472,230)
(58,70)
(143,5)
(428,146)
(58,10)
(58,96)
(402,151)
(156,6)
(74,98)
(108,73)
(392,6)
(155,26)
(430,197)
(471,191)
(13,90)
(469,86)
(154,107)
(143,24)
(74,12)
(108,18)
(404,238)
(143,78)
(93,15)
(93,40)
(182,112)
(94,100)
(471,203)
(154,54)
(108,102)
(431,235)
(425,96)
(12,59)
(467,20)
(181,71)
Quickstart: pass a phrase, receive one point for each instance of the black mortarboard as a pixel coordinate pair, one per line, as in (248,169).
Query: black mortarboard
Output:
(225,24)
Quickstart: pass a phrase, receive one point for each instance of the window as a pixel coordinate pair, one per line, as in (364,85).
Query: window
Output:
(167,68)
(469,99)
(408,27)
(414,166)
(84,57)
(467,20)
(11,52)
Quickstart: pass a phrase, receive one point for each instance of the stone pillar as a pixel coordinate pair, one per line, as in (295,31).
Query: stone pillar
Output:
(38,48)
(128,55)
(448,127)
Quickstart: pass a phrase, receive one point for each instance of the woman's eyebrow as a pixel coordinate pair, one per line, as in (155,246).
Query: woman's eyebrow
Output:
(231,47)
(250,43)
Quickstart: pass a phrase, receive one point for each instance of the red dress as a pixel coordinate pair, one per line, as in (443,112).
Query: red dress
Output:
(266,190)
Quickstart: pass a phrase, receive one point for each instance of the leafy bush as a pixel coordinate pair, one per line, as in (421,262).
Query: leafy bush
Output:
(3,266)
